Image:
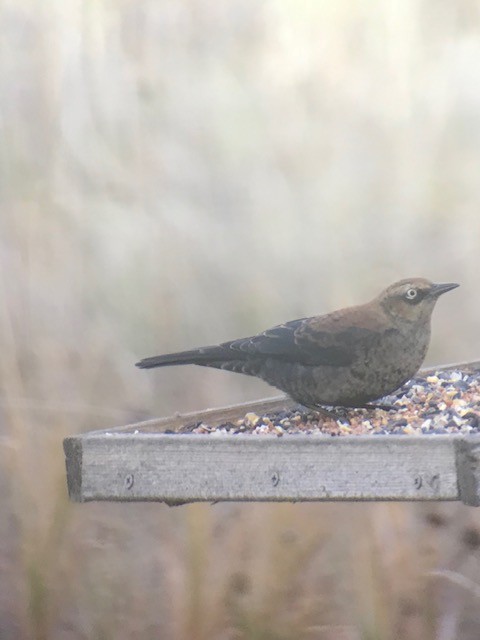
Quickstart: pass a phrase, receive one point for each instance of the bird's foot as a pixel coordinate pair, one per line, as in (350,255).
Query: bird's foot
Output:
(337,413)
(341,413)
(383,407)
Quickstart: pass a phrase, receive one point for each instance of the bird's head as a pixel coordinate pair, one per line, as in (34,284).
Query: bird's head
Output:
(413,299)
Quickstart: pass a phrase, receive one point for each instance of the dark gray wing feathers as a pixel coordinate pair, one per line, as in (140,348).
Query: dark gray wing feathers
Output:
(299,341)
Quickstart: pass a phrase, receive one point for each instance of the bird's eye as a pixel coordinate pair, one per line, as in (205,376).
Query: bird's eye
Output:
(411,294)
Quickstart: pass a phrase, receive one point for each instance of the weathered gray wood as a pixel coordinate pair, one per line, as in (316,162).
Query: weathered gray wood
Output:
(212,417)
(468,470)
(186,468)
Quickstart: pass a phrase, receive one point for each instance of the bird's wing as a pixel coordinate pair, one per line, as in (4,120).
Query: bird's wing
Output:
(309,341)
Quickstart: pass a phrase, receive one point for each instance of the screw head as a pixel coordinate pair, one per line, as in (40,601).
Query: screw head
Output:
(275,478)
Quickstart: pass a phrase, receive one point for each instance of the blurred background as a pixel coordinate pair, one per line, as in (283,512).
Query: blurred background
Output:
(181,173)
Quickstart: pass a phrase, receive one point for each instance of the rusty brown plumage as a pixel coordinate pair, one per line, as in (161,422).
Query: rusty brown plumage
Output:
(345,358)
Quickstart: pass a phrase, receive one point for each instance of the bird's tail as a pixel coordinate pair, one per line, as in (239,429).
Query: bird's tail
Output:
(206,356)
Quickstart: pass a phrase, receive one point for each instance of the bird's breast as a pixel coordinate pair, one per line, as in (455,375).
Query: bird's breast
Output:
(378,367)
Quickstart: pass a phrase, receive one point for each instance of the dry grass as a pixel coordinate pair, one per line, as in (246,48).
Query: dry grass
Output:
(180,173)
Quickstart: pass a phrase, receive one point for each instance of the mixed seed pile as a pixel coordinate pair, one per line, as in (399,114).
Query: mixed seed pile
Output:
(447,401)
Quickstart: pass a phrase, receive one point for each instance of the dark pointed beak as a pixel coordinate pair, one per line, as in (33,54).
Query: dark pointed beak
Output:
(438,289)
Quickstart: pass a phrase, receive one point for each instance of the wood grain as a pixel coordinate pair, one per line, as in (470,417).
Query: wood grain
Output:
(180,468)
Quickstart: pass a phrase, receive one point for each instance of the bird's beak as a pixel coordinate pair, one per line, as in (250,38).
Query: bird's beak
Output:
(438,289)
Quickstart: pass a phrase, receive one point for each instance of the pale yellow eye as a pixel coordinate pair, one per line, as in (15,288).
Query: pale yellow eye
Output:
(411,294)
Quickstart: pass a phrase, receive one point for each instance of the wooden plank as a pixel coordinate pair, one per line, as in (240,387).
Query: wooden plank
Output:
(468,470)
(212,417)
(188,468)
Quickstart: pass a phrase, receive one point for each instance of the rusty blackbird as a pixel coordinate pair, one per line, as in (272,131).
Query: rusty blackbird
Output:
(346,358)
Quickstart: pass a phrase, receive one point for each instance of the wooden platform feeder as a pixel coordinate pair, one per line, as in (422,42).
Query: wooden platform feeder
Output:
(140,462)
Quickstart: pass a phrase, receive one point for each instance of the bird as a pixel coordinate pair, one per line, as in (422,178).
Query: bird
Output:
(344,359)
